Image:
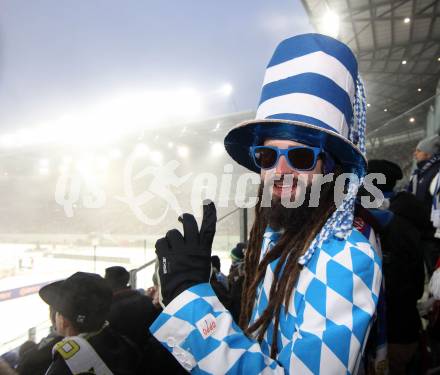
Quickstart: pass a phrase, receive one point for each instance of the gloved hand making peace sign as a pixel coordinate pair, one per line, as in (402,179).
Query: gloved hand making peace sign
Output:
(185,261)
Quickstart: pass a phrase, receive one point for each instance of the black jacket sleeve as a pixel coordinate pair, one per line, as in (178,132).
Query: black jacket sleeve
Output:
(58,367)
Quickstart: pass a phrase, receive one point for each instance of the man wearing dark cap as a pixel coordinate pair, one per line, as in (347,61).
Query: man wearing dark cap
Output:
(131,312)
(424,184)
(117,277)
(237,253)
(82,303)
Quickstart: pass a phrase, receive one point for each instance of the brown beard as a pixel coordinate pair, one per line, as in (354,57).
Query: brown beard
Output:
(279,217)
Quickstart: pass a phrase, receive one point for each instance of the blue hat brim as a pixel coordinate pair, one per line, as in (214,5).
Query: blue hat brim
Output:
(251,133)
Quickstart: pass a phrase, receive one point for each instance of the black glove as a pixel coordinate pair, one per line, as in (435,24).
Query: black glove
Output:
(185,261)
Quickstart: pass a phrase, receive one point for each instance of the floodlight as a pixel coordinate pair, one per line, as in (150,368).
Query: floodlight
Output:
(156,157)
(67,159)
(183,151)
(184,103)
(330,24)
(226,89)
(115,154)
(102,162)
(141,149)
(44,171)
(63,168)
(217,148)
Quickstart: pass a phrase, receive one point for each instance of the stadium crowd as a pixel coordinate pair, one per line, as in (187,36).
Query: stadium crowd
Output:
(110,319)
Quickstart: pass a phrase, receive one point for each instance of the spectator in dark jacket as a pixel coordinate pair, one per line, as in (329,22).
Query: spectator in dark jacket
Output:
(402,266)
(216,269)
(36,361)
(131,312)
(236,279)
(26,347)
(424,185)
(5,368)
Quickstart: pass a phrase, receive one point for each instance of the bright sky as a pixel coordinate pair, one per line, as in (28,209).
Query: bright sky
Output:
(59,56)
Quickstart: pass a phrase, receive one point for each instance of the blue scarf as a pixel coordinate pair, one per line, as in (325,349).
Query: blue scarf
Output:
(421,173)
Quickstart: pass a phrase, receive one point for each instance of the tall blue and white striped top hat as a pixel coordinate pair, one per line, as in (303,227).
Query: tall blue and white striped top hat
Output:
(311,94)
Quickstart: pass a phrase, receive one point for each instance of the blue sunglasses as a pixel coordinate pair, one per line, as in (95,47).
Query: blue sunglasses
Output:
(301,158)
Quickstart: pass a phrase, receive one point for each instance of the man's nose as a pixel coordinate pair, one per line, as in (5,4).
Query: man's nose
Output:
(283,166)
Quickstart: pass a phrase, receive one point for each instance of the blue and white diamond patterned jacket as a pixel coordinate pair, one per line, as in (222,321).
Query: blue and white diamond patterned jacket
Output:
(323,332)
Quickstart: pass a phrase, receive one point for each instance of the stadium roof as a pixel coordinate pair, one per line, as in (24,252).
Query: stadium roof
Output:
(397,44)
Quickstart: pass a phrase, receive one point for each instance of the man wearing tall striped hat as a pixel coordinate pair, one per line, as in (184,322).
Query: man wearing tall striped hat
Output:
(312,279)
